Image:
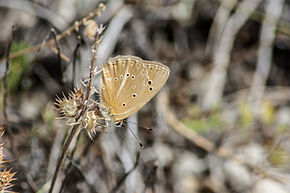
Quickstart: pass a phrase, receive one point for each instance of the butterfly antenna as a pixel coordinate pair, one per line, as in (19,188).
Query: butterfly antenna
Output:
(148,128)
(132,132)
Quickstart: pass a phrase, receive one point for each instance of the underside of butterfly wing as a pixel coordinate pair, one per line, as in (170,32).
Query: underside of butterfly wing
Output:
(129,82)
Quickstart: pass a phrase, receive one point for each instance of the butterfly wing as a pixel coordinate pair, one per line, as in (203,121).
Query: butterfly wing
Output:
(128,83)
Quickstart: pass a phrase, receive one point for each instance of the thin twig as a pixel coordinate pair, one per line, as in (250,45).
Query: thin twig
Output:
(28,178)
(54,34)
(7,65)
(62,156)
(53,49)
(75,59)
(67,32)
(69,166)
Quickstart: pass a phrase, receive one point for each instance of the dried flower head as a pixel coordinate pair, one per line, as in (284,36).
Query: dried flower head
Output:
(70,107)
(6,177)
(91,122)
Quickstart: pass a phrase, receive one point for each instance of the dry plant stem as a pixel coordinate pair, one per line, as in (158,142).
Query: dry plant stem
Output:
(55,150)
(92,67)
(217,77)
(273,11)
(69,166)
(75,60)
(5,80)
(52,48)
(67,143)
(51,42)
(218,24)
(57,47)
(76,128)
(29,179)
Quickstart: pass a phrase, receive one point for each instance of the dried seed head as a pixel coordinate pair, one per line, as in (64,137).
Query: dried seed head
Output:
(2,129)
(77,95)
(69,107)
(90,122)
(6,176)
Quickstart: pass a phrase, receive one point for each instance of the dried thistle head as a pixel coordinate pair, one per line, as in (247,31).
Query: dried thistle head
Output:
(70,107)
(2,129)
(6,177)
(91,123)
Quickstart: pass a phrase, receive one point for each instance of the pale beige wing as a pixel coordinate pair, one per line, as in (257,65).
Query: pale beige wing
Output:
(133,94)
(122,73)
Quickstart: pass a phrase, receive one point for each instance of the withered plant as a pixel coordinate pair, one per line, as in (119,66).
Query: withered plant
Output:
(6,175)
(78,108)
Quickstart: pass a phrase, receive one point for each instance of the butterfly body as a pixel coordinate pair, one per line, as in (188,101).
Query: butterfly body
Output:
(128,83)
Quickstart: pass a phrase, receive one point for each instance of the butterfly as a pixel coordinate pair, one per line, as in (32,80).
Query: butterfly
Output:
(128,83)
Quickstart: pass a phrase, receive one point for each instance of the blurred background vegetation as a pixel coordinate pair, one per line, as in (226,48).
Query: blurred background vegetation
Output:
(221,123)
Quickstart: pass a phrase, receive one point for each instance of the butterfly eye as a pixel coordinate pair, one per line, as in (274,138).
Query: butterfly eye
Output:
(150,82)
(151,88)
(133,77)
(134,95)
(121,76)
(128,74)
(103,86)
(134,87)
(124,104)
(116,78)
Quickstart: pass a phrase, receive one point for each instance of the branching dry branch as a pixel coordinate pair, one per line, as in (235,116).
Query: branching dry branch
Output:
(76,128)
(51,42)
